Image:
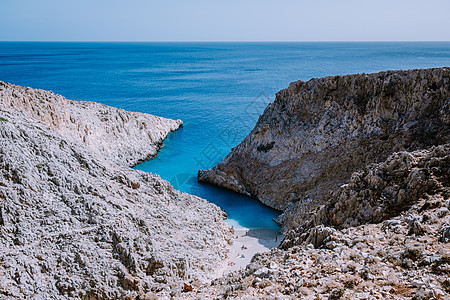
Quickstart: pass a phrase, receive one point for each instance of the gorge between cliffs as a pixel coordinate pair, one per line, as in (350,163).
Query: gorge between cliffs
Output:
(359,165)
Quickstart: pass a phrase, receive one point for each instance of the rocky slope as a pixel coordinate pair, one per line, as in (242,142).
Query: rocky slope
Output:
(315,134)
(120,136)
(77,222)
(380,191)
(404,257)
(361,166)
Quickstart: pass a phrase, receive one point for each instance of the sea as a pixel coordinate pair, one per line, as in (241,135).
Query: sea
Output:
(218,89)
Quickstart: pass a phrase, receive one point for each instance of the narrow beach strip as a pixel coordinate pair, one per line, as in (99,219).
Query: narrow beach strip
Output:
(246,244)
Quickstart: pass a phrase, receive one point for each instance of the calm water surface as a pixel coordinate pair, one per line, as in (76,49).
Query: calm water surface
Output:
(217,89)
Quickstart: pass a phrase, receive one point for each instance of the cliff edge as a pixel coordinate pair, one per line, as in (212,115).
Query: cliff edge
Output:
(119,136)
(310,140)
(360,165)
(77,223)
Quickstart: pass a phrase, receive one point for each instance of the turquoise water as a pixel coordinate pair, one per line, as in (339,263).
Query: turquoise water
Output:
(217,89)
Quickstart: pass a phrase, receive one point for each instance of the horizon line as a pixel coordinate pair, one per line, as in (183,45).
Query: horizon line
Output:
(225,41)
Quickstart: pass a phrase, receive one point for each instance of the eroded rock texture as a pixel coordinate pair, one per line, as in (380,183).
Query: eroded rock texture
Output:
(379,192)
(77,222)
(310,140)
(360,165)
(120,136)
(372,261)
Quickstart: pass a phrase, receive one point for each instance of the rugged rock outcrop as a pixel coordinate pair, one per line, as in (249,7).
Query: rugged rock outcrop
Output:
(310,140)
(378,192)
(120,136)
(373,261)
(361,166)
(343,251)
(77,222)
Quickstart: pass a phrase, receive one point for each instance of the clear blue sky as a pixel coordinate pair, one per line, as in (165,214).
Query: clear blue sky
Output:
(232,20)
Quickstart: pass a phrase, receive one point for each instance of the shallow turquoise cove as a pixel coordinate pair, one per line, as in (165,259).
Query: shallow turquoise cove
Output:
(242,211)
(217,89)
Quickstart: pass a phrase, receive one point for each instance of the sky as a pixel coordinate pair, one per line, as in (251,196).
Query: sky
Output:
(226,20)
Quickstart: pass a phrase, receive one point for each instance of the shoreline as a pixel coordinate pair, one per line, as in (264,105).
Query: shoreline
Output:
(68,195)
(254,241)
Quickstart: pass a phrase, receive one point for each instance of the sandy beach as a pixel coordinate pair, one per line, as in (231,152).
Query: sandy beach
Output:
(247,243)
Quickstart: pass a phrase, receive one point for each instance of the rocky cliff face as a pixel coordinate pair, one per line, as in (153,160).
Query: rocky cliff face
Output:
(315,134)
(77,222)
(363,220)
(120,136)
(378,192)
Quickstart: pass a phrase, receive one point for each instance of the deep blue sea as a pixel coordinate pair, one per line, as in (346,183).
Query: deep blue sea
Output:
(217,89)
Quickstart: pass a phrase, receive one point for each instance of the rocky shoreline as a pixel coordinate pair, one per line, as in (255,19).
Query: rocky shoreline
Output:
(360,166)
(76,222)
(311,139)
(119,136)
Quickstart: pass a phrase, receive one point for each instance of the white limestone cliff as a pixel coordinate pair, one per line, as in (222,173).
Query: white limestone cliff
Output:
(76,222)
